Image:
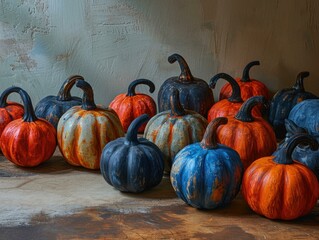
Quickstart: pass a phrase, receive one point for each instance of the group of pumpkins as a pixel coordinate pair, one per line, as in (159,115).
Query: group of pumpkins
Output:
(210,150)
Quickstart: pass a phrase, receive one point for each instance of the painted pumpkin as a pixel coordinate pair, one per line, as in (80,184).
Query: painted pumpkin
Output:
(9,110)
(249,87)
(231,105)
(284,100)
(130,105)
(251,137)
(52,108)
(84,130)
(278,187)
(207,174)
(28,141)
(174,129)
(130,164)
(195,93)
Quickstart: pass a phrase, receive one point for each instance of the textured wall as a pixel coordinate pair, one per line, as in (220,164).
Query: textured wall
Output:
(113,42)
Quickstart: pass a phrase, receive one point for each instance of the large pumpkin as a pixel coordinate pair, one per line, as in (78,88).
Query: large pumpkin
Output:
(84,130)
(249,87)
(284,100)
(174,129)
(28,141)
(231,105)
(278,187)
(130,164)
(207,174)
(252,137)
(52,108)
(195,93)
(130,105)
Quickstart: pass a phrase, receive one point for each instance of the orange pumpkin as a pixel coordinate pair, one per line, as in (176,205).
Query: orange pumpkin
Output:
(251,137)
(230,106)
(28,141)
(278,187)
(84,130)
(131,105)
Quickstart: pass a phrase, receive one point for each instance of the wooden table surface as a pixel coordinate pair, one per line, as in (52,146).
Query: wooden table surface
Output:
(58,201)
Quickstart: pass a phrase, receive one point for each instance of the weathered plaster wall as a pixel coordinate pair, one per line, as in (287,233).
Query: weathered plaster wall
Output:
(113,42)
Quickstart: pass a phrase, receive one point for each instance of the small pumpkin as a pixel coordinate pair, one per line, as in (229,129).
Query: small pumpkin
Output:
(130,105)
(9,110)
(132,164)
(284,100)
(252,137)
(231,105)
(279,188)
(84,130)
(28,141)
(174,129)
(249,87)
(207,174)
(195,93)
(52,108)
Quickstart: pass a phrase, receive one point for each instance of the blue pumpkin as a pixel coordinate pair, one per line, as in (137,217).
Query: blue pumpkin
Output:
(207,174)
(130,164)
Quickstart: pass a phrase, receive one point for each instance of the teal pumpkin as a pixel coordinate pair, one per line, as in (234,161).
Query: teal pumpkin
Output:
(207,174)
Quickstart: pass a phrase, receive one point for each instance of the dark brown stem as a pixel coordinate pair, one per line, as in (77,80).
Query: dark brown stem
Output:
(186,75)
(132,86)
(299,81)
(209,140)
(88,96)
(176,106)
(64,93)
(245,112)
(4,96)
(246,77)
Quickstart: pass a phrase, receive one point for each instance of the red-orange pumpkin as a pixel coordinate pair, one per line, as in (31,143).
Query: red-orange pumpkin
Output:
(131,105)
(28,141)
(251,137)
(278,187)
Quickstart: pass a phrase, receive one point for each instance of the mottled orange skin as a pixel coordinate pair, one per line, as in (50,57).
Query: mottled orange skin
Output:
(130,107)
(280,191)
(28,144)
(252,140)
(11,112)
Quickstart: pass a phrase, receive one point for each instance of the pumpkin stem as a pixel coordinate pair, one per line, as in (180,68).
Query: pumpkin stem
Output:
(131,135)
(4,96)
(292,128)
(246,77)
(299,81)
(88,96)
(283,154)
(236,94)
(131,87)
(176,106)
(209,140)
(64,92)
(186,75)
(245,112)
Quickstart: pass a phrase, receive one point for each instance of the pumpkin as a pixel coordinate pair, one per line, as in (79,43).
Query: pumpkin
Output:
(279,188)
(28,141)
(195,93)
(207,174)
(284,100)
(174,129)
(131,105)
(132,164)
(9,110)
(231,105)
(52,108)
(252,137)
(249,87)
(84,130)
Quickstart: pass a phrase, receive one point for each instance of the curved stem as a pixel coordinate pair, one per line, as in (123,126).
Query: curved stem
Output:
(4,96)
(292,128)
(176,106)
(246,77)
(283,155)
(88,96)
(131,135)
(236,94)
(209,140)
(132,86)
(64,92)
(186,75)
(245,112)
(299,81)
